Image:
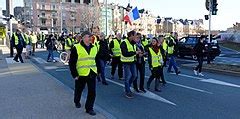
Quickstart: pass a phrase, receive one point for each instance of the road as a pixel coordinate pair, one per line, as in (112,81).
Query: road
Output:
(185,96)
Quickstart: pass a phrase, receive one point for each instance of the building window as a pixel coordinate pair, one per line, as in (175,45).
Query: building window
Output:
(43,21)
(54,22)
(77,1)
(43,14)
(53,1)
(68,0)
(43,6)
(53,7)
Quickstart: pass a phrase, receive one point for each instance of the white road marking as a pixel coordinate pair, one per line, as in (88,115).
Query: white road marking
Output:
(62,70)
(187,87)
(183,86)
(220,82)
(213,81)
(148,94)
(10,61)
(50,67)
(40,60)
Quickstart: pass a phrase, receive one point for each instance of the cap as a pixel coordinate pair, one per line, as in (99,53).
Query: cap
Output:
(86,33)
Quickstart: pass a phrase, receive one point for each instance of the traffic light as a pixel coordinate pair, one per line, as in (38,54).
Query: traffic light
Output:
(214,7)
(207,4)
(158,20)
(206,17)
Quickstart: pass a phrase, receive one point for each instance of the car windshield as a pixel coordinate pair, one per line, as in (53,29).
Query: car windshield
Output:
(191,40)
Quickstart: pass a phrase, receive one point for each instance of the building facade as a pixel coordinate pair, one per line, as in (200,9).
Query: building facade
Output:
(72,16)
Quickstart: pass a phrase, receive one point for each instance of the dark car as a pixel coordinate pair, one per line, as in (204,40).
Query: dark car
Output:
(186,45)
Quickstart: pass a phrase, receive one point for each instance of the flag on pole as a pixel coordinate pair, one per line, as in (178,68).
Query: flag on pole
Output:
(132,16)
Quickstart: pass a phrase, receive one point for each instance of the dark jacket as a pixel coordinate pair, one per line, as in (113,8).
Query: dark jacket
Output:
(50,44)
(125,52)
(74,58)
(140,60)
(198,49)
(103,52)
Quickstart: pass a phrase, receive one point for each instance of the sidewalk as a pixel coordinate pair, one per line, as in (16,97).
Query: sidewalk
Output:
(28,92)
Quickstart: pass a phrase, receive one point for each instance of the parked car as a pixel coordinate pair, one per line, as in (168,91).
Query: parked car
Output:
(186,45)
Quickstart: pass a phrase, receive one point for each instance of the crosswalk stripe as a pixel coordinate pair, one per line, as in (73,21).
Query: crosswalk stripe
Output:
(148,94)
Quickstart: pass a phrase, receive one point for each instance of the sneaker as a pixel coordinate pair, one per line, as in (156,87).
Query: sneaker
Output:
(136,90)
(129,95)
(143,90)
(195,72)
(112,77)
(105,83)
(91,112)
(200,74)
(158,90)
(15,60)
(178,72)
(77,105)
(121,79)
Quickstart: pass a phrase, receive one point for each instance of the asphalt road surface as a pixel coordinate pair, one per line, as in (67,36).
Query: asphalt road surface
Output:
(185,96)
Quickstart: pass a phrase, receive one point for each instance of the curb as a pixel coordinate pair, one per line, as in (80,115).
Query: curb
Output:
(211,70)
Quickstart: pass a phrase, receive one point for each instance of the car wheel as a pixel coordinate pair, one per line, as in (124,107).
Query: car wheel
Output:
(194,57)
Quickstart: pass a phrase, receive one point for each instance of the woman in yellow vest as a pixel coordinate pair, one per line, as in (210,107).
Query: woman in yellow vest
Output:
(155,61)
(84,70)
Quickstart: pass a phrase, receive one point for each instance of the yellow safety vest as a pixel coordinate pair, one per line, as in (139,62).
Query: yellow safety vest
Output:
(170,50)
(164,44)
(16,38)
(86,62)
(116,48)
(27,39)
(70,42)
(130,48)
(155,58)
(145,42)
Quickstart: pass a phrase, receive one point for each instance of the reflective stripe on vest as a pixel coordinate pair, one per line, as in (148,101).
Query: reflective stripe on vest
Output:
(156,58)
(70,42)
(116,48)
(130,48)
(86,62)
(164,45)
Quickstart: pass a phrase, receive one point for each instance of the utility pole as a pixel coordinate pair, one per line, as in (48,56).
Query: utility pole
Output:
(61,17)
(106,17)
(210,20)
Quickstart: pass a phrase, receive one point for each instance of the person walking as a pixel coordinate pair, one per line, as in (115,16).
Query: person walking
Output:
(199,49)
(19,44)
(28,42)
(50,44)
(140,64)
(42,39)
(170,54)
(155,61)
(115,51)
(128,58)
(69,43)
(33,37)
(103,56)
(83,69)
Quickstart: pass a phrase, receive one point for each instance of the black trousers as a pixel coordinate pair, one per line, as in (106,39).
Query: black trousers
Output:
(157,73)
(200,62)
(117,62)
(141,71)
(19,54)
(80,85)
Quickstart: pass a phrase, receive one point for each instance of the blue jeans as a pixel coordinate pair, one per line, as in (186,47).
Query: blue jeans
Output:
(173,64)
(130,73)
(50,54)
(102,64)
